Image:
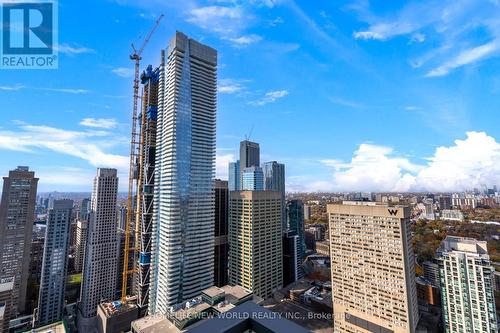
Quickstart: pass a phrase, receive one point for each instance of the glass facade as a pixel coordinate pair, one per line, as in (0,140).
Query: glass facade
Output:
(234,176)
(253,179)
(182,263)
(274,180)
(295,221)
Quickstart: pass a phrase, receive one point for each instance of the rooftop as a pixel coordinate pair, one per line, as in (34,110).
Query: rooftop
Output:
(117,307)
(235,293)
(213,291)
(464,244)
(187,312)
(154,324)
(57,327)
(245,317)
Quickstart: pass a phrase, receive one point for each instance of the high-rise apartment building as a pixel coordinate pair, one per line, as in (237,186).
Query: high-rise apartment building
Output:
(84,212)
(36,259)
(55,263)
(150,80)
(221,247)
(274,180)
(466,276)
(252,179)
(444,202)
(295,218)
(234,183)
(255,241)
(307,212)
(249,156)
(81,239)
(99,270)
(182,261)
(372,265)
(17,214)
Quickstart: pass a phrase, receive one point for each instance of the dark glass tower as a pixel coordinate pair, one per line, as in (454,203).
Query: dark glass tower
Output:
(295,217)
(249,156)
(221,246)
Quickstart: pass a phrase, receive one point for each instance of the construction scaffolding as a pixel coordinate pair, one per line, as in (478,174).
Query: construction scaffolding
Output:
(146,173)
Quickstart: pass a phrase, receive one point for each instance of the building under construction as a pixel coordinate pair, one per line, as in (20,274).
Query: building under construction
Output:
(146,179)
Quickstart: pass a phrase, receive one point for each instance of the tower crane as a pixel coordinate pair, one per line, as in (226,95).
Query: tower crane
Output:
(136,56)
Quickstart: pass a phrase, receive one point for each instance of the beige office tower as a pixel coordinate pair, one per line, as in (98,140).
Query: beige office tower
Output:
(255,243)
(373,272)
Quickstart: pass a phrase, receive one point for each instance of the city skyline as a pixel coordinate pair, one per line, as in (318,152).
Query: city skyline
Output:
(410,92)
(364,195)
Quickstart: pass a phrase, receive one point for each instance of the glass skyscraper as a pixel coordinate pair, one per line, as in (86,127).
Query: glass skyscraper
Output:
(295,218)
(253,179)
(274,180)
(234,183)
(182,261)
(249,156)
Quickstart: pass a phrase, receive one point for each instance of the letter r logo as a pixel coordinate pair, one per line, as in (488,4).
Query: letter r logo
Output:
(28,28)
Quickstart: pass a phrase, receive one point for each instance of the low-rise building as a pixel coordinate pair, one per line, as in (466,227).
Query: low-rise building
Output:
(452,215)
(323,248)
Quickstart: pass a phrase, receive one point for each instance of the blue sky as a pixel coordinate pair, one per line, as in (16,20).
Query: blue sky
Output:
(350,95)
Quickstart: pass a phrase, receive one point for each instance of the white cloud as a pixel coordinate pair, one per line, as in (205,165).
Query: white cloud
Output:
(452,26)
(99,122)
(20,86)
(15,87)
(222,165)
(86,145)
(466,57)
(270,97)
(345,102)
(228,86)
(244,40)
(373,168)
(123,72)
(467,164)
(66,90)
(68,49)
(220,19)
(368,35)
